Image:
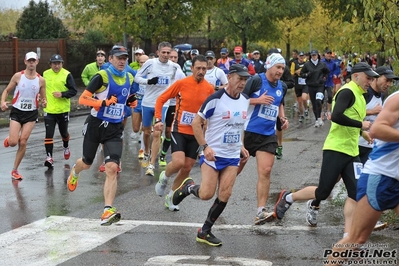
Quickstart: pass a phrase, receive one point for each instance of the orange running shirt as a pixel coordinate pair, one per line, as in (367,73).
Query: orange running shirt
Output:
(190,95)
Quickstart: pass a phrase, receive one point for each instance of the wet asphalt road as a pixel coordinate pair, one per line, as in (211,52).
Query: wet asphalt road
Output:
(160,232)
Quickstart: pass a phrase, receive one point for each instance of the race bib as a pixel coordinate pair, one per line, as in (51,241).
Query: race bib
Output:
(114,111)
(301,81)
(269,112)
(231,138)
(186,118)
(163,80)
(357,168)
(26,104)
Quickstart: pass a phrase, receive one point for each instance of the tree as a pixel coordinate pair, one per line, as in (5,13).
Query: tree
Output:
(37,21)
(245,21)
(8,21)
(146,20)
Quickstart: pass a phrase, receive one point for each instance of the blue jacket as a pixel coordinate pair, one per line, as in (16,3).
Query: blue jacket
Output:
(334,70)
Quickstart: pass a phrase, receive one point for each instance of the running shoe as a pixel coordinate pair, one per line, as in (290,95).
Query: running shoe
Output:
(306,113)
(162,161)
(67,153)
(263,216)
(279,152)
(102,168)
(110,216)
(208,238)
(6,145)
(380,226)
(301,118)
(282,205)
(49,162)
(169,204)
(311,213)
(72,181)
(145,161)
(182,191)
(160,186)
(141,154)
(150,170)
(15,175)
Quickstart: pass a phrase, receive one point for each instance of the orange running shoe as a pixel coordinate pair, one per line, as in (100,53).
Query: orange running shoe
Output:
(110,216)
(6,143)
(15,175)
(72,181)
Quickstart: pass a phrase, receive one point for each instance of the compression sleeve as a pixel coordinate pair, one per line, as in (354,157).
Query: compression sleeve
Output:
(87,96)
(344,99)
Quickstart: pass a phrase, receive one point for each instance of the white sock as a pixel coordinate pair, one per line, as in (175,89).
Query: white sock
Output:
(260,209)
(141,141)
(289,199)
(170,194)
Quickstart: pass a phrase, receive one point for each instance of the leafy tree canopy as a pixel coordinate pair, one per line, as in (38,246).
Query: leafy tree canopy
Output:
(37,21)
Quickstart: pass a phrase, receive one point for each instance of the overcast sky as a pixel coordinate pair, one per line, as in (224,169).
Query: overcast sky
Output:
(16,4)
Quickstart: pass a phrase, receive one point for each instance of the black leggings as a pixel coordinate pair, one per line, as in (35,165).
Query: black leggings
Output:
(50,120)
(335,164)
(316,104)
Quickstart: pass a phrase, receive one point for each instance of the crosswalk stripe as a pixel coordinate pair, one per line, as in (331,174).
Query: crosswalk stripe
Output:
(56,239)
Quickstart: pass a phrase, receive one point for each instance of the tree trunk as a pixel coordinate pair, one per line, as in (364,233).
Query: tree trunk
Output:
(148,46)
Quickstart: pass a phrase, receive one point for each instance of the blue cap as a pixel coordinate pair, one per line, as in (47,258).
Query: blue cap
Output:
(224,51)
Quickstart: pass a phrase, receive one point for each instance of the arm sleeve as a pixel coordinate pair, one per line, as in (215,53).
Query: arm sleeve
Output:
(143,71)
(344,99)
(253,84)
(70,84)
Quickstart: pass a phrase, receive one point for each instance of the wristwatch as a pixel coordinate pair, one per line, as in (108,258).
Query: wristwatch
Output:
(202,147)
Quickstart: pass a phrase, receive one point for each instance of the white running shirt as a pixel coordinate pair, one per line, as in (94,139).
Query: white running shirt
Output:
(26,93)
(216,77)
(166,73)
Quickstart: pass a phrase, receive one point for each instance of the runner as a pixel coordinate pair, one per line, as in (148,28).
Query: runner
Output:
(29,88)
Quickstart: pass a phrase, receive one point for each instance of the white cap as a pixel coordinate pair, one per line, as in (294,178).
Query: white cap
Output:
(139,51)
(31,55)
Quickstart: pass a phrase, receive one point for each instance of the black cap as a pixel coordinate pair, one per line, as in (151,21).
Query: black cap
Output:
(239,69)
(328,51)
(301,53)
(194,51)
(314,52)
(56,58)
(387,72)
(272,51)
(366,68)
(210,54)
(118,50)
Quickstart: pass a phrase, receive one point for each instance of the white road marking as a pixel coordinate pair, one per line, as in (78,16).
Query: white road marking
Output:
(206,260)
(56,239)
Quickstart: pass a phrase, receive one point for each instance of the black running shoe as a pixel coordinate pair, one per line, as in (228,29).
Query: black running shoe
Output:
(181,192)
(208,238)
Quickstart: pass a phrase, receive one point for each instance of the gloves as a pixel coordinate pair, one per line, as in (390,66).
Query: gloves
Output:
(131,101)
(153,81)
(111,100)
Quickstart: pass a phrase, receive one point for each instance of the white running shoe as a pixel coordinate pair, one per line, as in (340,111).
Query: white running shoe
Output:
(169,204)
(150,170)
(160,186)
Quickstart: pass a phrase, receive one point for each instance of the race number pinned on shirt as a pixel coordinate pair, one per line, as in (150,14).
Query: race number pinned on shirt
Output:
(357,168)
(231,138)
(186,118)
(301,81)
(268,111)
(26,104)
(114,111)
(163,80)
